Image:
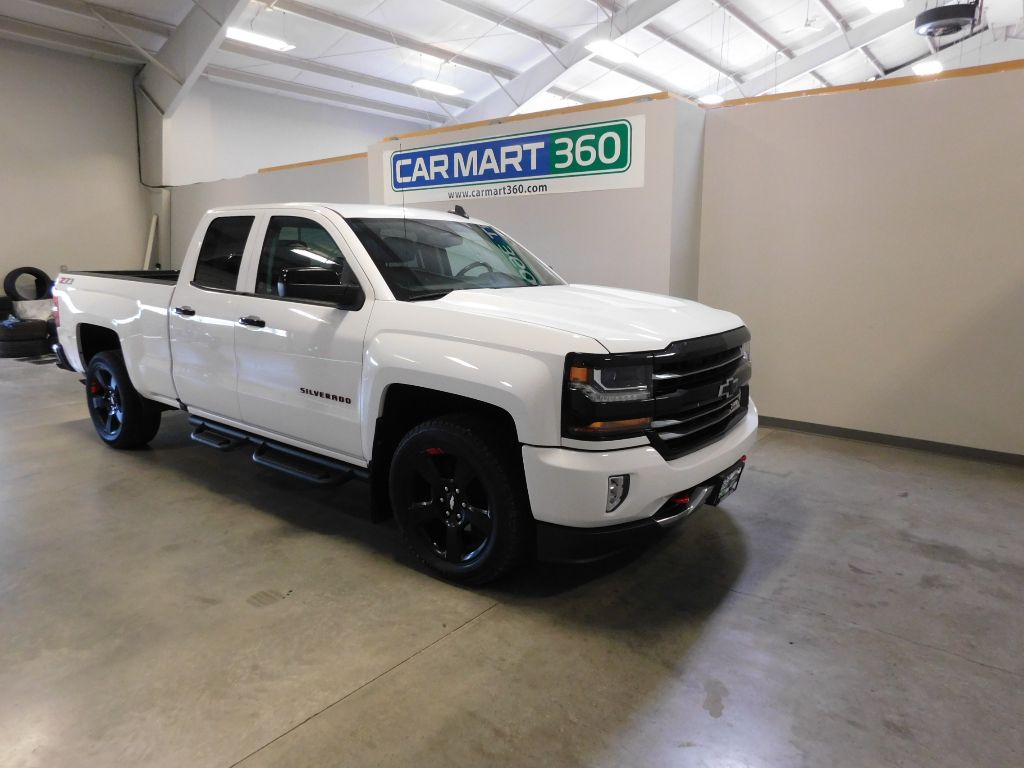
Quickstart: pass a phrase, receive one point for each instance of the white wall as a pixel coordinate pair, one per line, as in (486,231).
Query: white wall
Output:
(343,182)
(223,132)
(70,192)
(872,241)
(645,238)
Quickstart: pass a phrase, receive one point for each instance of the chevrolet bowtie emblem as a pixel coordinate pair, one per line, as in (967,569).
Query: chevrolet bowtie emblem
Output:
(729,387)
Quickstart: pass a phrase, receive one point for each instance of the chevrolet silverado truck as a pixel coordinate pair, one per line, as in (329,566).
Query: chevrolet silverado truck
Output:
(497,411)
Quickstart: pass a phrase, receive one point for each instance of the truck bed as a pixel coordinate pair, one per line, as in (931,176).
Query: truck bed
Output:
(131,303)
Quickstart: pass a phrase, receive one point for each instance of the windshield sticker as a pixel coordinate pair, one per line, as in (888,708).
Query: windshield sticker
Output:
(510,255)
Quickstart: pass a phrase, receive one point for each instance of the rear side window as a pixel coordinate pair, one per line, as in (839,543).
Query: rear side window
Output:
(220,256)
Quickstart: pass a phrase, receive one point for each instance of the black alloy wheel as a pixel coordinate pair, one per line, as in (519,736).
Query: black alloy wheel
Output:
(121,416)
(458,499)
(105,404)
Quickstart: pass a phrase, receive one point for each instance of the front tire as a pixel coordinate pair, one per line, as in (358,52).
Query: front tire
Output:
(459,499)
(122,417)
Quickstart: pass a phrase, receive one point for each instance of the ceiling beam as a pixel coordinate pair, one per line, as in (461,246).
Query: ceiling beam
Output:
(322,94)
(70,42)
(386,35)
(400,40)
(119,17)
(830,50)
(552,42)
(116,18)
(508,21)
(758,31)
(542,75)
(191,46)
(672,38)
(844,26)
(316,67)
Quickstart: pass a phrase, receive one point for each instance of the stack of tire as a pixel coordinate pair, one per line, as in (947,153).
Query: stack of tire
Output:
(25,338)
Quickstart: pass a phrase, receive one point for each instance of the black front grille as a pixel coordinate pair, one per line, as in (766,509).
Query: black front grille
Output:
(701,391)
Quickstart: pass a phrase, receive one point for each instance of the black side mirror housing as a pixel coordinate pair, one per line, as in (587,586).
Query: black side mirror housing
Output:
(318,284)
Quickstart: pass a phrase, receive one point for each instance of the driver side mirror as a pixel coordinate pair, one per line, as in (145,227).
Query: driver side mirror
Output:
(319,284)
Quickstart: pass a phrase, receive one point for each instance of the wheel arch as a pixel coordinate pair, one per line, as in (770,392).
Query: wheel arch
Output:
(403,406)
(93,339)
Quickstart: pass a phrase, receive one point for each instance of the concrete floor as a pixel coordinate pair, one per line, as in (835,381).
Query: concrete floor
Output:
(851,605)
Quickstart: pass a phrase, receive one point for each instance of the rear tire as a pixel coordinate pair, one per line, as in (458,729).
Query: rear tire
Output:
(23,330)
(122,417)
(24,348)
(459,500)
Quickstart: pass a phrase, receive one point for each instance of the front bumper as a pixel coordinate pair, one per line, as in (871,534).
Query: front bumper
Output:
(560,543)
(569,487)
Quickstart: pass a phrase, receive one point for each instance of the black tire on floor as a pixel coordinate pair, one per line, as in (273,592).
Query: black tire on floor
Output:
(122,417)
(44,285)
(459,498)
(23,348)
(24,331)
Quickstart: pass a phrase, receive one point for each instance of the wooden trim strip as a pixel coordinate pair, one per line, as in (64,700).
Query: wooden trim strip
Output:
(983,69)
(516,118)
(307,163)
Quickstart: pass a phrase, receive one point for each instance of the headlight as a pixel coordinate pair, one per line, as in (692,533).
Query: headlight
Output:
(745,349)
(612,384)
(607,396)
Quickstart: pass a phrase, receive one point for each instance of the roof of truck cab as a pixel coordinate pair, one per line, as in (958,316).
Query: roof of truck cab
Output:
(352,210)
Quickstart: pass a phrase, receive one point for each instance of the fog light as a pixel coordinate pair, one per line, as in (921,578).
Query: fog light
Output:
(618,489)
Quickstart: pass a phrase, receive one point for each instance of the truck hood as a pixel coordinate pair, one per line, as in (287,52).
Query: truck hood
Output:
(621,320)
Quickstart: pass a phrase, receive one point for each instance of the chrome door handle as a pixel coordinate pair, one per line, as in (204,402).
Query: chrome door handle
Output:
(184,311)
(252,321)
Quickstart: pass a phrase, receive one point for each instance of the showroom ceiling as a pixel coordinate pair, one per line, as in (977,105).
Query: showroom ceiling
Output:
(382,55)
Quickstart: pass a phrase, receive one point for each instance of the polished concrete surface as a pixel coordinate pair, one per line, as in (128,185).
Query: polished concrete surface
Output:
(852,605)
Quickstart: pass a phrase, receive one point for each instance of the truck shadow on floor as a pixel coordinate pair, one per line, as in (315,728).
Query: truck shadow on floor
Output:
(690,569)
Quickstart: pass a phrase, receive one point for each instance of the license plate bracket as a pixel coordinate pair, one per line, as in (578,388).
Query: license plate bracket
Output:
(727,482)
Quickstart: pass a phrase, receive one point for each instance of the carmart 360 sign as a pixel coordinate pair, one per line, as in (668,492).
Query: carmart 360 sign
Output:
(577,158)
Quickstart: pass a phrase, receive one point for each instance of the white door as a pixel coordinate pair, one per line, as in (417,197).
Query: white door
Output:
(203,316)
(300,361)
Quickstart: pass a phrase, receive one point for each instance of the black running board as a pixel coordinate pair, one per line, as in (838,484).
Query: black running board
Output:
(220,437)
(296,462)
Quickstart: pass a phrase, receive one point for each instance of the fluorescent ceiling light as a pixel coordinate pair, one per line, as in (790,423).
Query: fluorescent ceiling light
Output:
(611,51)
(245,36)
(711,99)
(881,6)
(929,67)
(437,87)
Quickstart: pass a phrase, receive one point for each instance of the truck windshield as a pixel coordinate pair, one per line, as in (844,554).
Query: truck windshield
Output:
(425,259)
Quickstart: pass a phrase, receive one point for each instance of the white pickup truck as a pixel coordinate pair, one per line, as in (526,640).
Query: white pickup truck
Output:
(497,411)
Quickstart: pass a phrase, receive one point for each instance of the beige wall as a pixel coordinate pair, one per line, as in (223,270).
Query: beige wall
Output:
(69,188)
(873,242)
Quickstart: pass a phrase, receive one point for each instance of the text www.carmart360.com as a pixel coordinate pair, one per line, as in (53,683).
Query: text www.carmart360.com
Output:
(507,189)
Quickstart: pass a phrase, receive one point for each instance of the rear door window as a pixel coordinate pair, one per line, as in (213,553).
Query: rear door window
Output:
(220,257)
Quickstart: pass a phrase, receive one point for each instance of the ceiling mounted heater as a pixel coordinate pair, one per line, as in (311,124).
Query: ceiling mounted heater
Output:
(945,19)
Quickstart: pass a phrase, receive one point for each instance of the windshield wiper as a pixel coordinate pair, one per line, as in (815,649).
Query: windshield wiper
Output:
(430,295)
